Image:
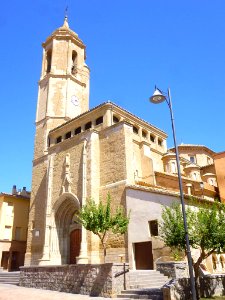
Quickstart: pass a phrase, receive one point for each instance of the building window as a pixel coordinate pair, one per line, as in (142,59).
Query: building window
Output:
(153,227)
(49,141)
(74,63)
(18,234)
(211,181)
(144,134)
(77,130)
(173,167)
(58,139)
(195,177)
(152,138)
(49,61)
(192,159)
(208,160)
(135,130)
(88,126)
(7,232)
(115,119)
(32,224)
(68,135)
(99,120)
(160,142)
(9,210)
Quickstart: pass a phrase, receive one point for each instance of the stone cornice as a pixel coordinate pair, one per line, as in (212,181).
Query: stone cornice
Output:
(193,147)
(121,112)
(41,159)
(64,34)
(162,191)
(64,76)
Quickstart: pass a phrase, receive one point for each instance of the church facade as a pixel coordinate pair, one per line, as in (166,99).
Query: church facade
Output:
(83,153)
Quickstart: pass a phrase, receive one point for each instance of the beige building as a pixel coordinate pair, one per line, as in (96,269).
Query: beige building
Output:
(82,153)
(14,212)
(219,159)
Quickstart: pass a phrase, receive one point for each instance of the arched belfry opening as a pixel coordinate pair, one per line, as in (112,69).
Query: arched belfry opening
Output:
(48,61)
(68,230)
(74,63)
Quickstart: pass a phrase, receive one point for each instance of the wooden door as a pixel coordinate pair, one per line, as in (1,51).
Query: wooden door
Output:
(5,260)
(143,256)
(75,241)
(15,261)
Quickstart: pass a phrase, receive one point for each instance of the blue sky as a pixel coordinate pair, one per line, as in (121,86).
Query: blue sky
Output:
(131,46)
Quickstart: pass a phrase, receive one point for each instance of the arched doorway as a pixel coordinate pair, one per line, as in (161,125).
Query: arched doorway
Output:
(67,228)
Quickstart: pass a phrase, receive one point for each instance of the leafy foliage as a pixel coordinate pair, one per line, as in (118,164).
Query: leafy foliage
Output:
(172,228)
(98,218)
(206,229)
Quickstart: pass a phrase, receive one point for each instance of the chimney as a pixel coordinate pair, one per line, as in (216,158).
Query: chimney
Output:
(14,191)
(24,192)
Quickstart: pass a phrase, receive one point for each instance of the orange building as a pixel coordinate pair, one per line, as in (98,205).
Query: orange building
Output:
(219,160)
(14,212)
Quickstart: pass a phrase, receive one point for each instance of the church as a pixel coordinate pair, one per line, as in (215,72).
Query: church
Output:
(83,153)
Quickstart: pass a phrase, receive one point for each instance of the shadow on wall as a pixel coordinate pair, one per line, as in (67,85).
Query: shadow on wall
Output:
(37,222)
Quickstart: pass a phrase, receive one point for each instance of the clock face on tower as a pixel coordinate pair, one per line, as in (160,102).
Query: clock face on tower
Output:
(75,100)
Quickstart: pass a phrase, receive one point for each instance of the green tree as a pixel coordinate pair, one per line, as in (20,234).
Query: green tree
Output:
(99,219)
(206,229)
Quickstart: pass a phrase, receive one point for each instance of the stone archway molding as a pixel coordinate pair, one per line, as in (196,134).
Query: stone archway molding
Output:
(61,215)
(62,198)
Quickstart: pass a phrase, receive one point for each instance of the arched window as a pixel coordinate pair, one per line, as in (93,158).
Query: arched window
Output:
(74,62)
(49,61)
(173,167)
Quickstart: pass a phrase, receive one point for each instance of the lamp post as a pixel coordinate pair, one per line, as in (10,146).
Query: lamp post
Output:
(202,188)
(156,98)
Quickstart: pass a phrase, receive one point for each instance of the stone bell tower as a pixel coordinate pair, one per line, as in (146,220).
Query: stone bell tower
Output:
(64,84)
(63,94)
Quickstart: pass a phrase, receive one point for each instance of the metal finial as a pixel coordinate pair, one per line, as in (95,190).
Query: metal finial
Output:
(66,25)
(66,12)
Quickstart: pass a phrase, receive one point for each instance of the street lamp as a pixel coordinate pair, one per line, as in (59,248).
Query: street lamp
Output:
(202,188)
(156,98)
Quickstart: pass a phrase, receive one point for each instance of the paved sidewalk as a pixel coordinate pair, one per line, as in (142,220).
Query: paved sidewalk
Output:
(13,292)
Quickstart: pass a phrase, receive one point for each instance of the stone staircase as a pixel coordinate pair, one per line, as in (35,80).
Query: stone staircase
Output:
(9,277)
(144,284)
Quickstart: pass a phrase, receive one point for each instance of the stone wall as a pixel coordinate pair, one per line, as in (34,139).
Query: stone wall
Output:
(210,286)
(105,280)
(173,270)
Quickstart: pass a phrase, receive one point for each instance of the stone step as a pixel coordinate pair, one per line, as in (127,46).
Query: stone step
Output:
(10,282)
(9,277)
(143,286)
(146,277)
(140,279)
(149,293)
(146,291)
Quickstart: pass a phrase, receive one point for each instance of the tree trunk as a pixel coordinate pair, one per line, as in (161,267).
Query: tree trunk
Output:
(104,249)
(196,270)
